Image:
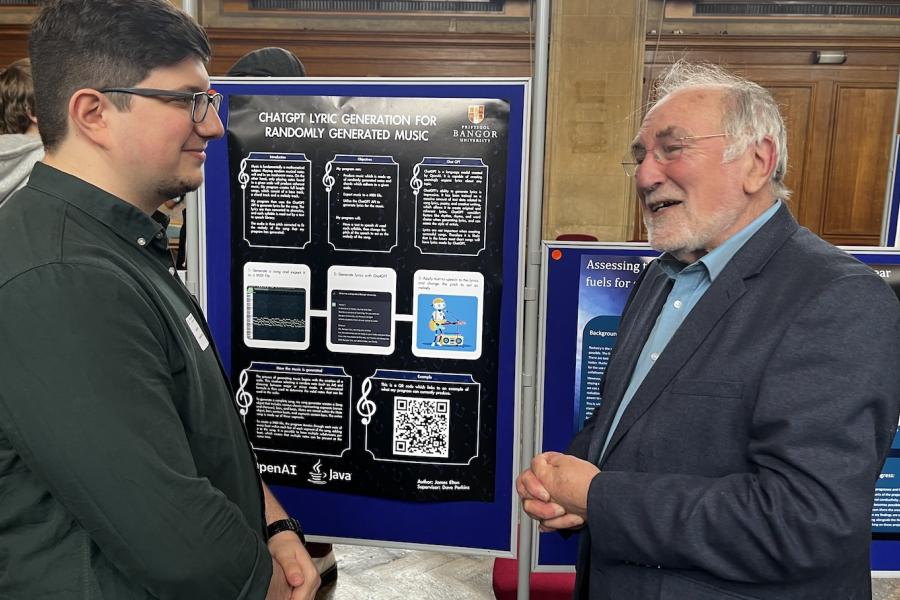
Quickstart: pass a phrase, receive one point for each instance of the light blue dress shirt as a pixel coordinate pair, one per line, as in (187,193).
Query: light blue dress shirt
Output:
(691,282)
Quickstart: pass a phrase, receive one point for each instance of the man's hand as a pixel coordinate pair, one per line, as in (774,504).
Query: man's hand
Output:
(538,504)
(293,559)
(279,588)
(566,479)
(294,562)
(554,490)
(290,557)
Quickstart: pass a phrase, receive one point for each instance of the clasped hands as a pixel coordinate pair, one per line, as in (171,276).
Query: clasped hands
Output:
(294,575)
(554,490)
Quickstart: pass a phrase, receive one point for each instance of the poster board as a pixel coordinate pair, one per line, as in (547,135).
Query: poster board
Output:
(584,286)
(890,235)
(362,277)
(584,290)
(886,512)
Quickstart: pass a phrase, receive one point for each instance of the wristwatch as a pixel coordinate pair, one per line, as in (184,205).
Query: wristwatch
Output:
(289,524)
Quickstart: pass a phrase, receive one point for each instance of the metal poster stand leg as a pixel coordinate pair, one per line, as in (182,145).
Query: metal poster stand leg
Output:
(192,243)
(533,273)
(191,220)
(891,175)
(190,7)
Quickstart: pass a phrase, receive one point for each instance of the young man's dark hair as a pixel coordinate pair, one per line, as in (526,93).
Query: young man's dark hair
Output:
(16,97)
(119,42)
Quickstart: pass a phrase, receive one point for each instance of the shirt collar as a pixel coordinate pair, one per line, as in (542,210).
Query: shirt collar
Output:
(716,261)
(126,220)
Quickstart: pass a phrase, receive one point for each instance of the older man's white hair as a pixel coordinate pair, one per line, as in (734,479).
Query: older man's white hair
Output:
(750,114)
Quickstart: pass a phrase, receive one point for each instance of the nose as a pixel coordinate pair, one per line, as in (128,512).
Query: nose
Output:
(211,127)
(650,174)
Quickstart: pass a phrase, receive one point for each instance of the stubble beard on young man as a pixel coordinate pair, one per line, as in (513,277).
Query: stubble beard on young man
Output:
(175,188)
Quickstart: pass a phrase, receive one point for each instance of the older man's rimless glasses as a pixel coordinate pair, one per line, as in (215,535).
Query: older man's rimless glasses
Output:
(200,101)
(667,150)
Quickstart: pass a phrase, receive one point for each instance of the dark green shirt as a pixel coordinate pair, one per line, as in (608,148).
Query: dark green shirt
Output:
(125,471)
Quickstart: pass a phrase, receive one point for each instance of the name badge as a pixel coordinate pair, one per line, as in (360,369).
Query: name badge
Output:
(195,328)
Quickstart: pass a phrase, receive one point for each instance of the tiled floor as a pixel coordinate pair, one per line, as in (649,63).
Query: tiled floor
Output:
(370,573)
(885,589)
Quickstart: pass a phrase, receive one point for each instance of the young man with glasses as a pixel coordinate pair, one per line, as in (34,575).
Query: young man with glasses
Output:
(753,393)
(125,471)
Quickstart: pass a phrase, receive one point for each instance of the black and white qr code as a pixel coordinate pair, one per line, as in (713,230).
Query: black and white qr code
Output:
(422,427)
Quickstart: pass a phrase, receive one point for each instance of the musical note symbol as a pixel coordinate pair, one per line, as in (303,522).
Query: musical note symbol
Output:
(243,398)
(365,407)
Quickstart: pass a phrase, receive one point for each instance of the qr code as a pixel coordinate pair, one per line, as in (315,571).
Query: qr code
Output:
(422,427)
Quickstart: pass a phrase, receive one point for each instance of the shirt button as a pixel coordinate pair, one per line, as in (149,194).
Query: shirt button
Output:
(159,235)
(678,304)
(141,241)
(654,356)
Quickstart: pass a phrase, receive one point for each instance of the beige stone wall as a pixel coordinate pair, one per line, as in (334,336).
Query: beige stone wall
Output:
(596,58)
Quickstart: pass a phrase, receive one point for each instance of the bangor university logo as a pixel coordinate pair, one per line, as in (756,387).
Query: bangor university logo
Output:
(476,113)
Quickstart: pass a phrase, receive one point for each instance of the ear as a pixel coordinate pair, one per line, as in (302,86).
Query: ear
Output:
(89,113)
(762,158)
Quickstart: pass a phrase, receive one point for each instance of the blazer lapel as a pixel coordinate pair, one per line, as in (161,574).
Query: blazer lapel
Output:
(618,374)
(715,303)
(712,307)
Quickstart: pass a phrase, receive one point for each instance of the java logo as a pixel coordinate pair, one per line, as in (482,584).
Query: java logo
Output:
(318,477)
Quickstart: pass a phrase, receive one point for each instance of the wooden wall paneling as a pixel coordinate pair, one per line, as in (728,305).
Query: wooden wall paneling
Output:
(355,54)
(795,102)
(858,158)
(798,92)
(13,42)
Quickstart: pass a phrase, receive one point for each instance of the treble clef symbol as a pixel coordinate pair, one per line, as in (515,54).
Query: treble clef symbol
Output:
(327,179)
(415,183)
(243,176)
(243,398)
(365,407)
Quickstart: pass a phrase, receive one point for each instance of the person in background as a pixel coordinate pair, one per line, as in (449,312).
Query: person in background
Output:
(125,470)
(753,392)
(280,62)
(20,142)
(268,62)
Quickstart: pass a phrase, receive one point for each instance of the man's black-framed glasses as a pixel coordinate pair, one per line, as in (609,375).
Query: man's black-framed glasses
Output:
(200,101)
(667,150)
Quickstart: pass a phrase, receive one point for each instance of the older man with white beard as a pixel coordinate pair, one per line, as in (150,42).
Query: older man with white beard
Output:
(753,393)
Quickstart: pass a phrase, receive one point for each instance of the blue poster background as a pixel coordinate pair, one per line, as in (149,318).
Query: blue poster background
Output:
(886,537)
(603,289)
(573,304)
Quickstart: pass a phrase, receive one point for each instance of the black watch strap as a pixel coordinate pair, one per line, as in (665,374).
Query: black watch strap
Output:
(289,524)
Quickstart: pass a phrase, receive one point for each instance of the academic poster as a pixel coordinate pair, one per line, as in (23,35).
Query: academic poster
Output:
(584,288)
(373,287)
(886,508)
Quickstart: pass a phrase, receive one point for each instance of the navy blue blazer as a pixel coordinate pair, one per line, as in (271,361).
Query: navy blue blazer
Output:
(746,463)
